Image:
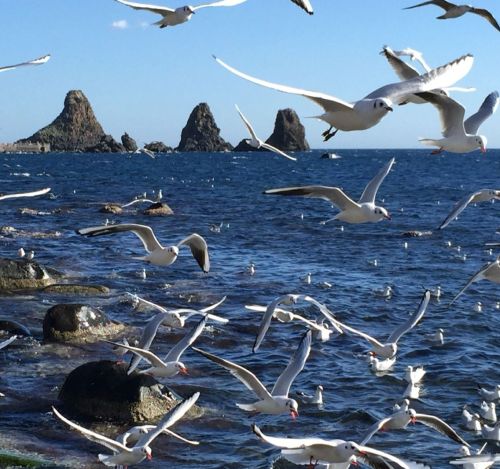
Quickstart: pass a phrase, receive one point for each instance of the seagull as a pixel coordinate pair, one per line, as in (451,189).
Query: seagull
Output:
(138,201)
(134,434)
(488,411)
(490,271)
(305,5)
(483,195)
(39,61)
(316,399)
(369,111)
(471,421)
(437,292)
(126,456)
(21,252)
(488,395)
(256,142)
(386,292)
(7,342)
(405,405)
(455,11)
(412,391)
(146,151)
(363,211)
(277,401)
(171,364)
(476,461)
(157,254)
(437,337)
(380,365)
(25,194)
(315,451)
(173,17)
(414,375)
(389,348)
(491,433)
(459,136)
(400,420)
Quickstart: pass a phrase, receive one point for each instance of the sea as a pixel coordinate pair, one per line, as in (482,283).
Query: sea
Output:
(284,239)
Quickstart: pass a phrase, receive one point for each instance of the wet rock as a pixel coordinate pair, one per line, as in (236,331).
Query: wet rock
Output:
(103,391)
(128,142)
(107,144)
(23,274)
(115,209)
(14,327)
(158,147)
(75,289)
(11,232)
(416,234)
(289,133)
(158,209)
(77,323)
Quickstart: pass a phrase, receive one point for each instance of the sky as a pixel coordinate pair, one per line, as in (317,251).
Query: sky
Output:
(146,81)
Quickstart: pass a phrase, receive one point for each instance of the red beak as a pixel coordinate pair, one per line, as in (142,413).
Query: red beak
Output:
(294,414)
(483,150)
(413,420)
(388,216)
(149,456)
(183,371)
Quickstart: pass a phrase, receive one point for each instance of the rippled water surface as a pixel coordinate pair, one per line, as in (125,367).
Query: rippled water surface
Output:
(205,189)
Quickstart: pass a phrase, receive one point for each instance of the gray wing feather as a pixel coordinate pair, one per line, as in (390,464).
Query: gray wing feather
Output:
(403,70)
(199,250)
(459,207)
(370,192)
(488,107)
(479,275)
(440,3)
(441,426)
(178,349)
(412,320)
(451,113)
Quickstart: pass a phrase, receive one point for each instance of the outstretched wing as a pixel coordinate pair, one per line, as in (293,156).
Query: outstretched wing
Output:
(403,70)
(305,5)
(370,193)
(25,194)
(178,349)
(39,61)
(479,275)
(440,3)
(376,427)
(199,250)
(247,124)
(488,107)
(457,210)
(276,150)
(487,16)
(221,3)
(441,426)
(153,359)
(164,11)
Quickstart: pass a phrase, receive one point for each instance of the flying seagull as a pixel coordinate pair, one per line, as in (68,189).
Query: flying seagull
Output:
(256,142)
(369,111)
(455,11)
(305,5)
(173,17)
(157,254)
(362,211)
(17,195)
(39,61)
(490,271)
(459,136)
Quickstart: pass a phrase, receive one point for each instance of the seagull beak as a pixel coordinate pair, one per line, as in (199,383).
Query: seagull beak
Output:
(483,149)
(388,216)
(149,456)
(389,108)
(294,414)
(413,420)
(183,371)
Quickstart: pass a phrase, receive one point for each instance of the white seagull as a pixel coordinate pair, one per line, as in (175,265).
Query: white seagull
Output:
(171,364)
(380,365)
(483,195)
(362,211)
(157,254)
(459,136)
(490,395)
(488,411)
(256,142)
(476,461)
(134,434)
(126,456)
(455,11)
(173,17)
(368,111)
(18,195)
(414,375)
(470,420)
(389,348)
(39,61)
(317,398)
(305,5)
(277,401)
(490,271)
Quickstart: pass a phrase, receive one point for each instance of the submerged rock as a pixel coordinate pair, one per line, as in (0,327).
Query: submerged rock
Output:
(416,234)
(23,274)
(75,289)
(115,209)
(77,323)
(103,391)
(158,209)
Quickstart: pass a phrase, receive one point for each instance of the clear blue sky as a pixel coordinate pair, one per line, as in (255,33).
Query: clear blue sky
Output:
(146,81)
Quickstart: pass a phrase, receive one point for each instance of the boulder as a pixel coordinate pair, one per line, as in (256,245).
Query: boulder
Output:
(289,133)
(103,391)
(107,144)
(75,289)
(115,209)
(129,143)
(201,132)
(158,147)
(158,209)
(77,323)
(243,146)
(24,274)
(11,232)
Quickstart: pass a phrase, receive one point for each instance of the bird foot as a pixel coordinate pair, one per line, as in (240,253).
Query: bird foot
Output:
(437,151)
(326,132)
(329,135)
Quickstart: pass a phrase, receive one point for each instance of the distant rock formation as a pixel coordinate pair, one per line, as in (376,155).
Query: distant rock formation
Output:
(107,144)
(158,147)
(75,129)
(288,135)
(129,143)
(201,132)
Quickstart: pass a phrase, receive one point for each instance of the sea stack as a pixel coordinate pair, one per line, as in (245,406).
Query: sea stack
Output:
(201,132)
(128,143)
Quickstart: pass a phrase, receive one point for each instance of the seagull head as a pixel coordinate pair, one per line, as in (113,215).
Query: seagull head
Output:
(382,213)
(179,366)
(189,10)
(382,105)
(146,450)
(293,407)
(481,141)
(413,415)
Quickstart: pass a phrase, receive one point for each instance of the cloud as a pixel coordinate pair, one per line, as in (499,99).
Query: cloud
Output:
(120,24)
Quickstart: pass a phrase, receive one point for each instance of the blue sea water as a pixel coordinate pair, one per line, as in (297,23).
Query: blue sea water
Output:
(205,189)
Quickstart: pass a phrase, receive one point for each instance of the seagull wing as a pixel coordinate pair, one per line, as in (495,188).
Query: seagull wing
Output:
(250,381)
(294,367)
(143,232)
(214,306)
(168,420)
(374,429)
(113,445)
(286,443)
(138,201)
(438,78)
(479,275)
(440,3)
(39,61)
(370,193)
(457,210)
(276,150)
(222,3)
(487,16)
(328,103)
(7,342)
(441,426)
(451,112)
(381,460)
(488,107)
(178,349)
(147,303)
(153,359)
(333,195)
(412,321)
(365,336)
(199,250)
(325,312)
(403,70)
(247,124)
(25,194)
(305,5)
(164,11)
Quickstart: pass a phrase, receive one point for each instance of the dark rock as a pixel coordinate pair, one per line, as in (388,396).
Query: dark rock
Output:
(416,234)
(103,391)
(289,134)
(14,327)
(11,232)
(129,143)
(243,146)
(201,132)
(77,323)
(75,129)
(158,147)
(74,289)
(115,209)
(23,274)
(107,144)
(158,209)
